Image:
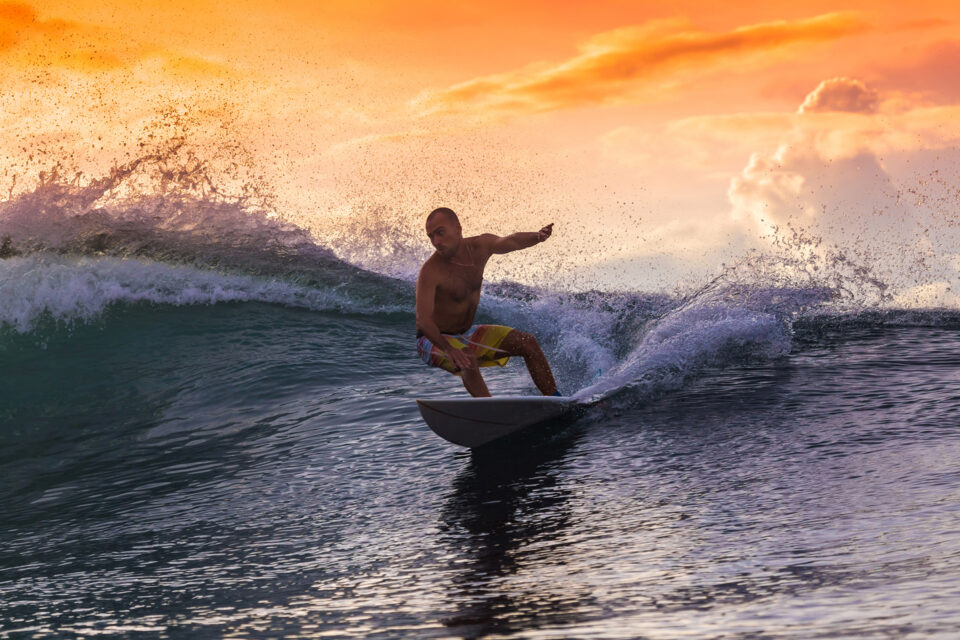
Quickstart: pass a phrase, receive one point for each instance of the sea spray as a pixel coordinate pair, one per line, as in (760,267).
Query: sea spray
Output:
(163,228)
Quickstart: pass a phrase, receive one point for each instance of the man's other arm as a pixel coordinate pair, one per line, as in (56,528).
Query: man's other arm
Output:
(516,241)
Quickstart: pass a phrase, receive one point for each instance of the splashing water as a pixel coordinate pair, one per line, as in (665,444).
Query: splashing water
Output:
(173,227)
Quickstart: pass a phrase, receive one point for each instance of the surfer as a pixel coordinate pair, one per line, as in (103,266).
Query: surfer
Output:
(448,292)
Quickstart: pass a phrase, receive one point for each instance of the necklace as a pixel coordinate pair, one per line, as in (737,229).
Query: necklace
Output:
(460,264)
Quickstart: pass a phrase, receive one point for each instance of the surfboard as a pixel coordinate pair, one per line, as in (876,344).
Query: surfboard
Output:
(473,422)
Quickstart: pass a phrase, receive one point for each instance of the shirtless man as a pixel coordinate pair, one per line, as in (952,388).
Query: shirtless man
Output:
(448,292)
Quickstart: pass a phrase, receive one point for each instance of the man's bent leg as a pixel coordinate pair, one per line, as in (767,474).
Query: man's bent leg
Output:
(474,383)
(518,343)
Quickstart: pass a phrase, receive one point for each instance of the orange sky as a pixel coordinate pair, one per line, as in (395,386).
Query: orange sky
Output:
(662,138)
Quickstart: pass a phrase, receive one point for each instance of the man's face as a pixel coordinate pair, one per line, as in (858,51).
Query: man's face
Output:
(445,234)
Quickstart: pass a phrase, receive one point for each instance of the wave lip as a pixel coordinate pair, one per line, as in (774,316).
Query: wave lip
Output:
(75,288)
(715,328)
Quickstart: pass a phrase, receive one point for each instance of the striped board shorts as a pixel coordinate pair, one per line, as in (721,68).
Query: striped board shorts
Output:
(483,340)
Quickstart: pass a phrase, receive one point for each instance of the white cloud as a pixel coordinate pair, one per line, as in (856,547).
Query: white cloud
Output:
(841,94)
(869,187)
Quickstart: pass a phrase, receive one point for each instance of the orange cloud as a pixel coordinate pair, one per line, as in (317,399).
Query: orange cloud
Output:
(841,94)
(831,127)
(834,134)
(637,63)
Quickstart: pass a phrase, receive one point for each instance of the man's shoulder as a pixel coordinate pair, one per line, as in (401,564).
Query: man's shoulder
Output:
(432,261)
(430,266)
(483,241)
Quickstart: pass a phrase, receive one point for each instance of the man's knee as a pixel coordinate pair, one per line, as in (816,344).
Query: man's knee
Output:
(524,343)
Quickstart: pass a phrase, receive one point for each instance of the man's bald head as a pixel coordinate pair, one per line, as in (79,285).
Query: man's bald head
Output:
(444,211)
(443,229)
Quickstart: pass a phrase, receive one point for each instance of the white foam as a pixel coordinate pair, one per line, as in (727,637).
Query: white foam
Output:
(578,338)
(687,340)
(69,288)
(652,343)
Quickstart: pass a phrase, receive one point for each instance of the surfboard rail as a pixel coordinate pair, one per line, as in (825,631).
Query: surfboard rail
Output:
(474,422)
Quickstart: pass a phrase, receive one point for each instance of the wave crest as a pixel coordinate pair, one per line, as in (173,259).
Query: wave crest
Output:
(66,289)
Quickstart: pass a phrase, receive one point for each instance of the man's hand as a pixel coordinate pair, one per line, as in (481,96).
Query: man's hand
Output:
(460,359)
(544,233)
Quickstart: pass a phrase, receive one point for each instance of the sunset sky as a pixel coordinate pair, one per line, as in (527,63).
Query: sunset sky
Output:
(663,139)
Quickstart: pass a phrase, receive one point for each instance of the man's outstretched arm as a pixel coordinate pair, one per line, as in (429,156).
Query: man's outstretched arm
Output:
(517,241)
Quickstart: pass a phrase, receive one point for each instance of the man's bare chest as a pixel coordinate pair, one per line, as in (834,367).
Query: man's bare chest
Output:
(460,283)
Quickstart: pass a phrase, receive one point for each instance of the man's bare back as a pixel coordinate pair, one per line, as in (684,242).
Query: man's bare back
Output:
(448,293)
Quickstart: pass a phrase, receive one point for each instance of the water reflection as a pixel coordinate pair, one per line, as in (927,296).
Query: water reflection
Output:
(507,521)
(803,498)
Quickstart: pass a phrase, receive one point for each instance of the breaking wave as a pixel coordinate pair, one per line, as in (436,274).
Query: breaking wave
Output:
(157,230)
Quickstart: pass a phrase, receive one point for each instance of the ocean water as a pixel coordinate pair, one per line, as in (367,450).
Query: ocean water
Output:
(212,434)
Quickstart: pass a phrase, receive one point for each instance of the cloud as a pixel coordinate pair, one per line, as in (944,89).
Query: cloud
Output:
(895,127)
(841,94)
(637,64)
(822,153)
(797,184)
(873,185)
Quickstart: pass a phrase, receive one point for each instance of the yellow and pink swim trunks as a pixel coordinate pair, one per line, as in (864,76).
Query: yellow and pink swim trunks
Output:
(483,340)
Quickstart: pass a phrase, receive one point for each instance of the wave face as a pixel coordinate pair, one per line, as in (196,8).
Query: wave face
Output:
(207,419)
(252,468)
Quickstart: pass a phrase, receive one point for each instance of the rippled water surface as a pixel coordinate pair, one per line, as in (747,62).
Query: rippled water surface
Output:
(249,470)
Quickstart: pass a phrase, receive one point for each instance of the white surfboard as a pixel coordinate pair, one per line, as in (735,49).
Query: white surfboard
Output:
(472,422)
